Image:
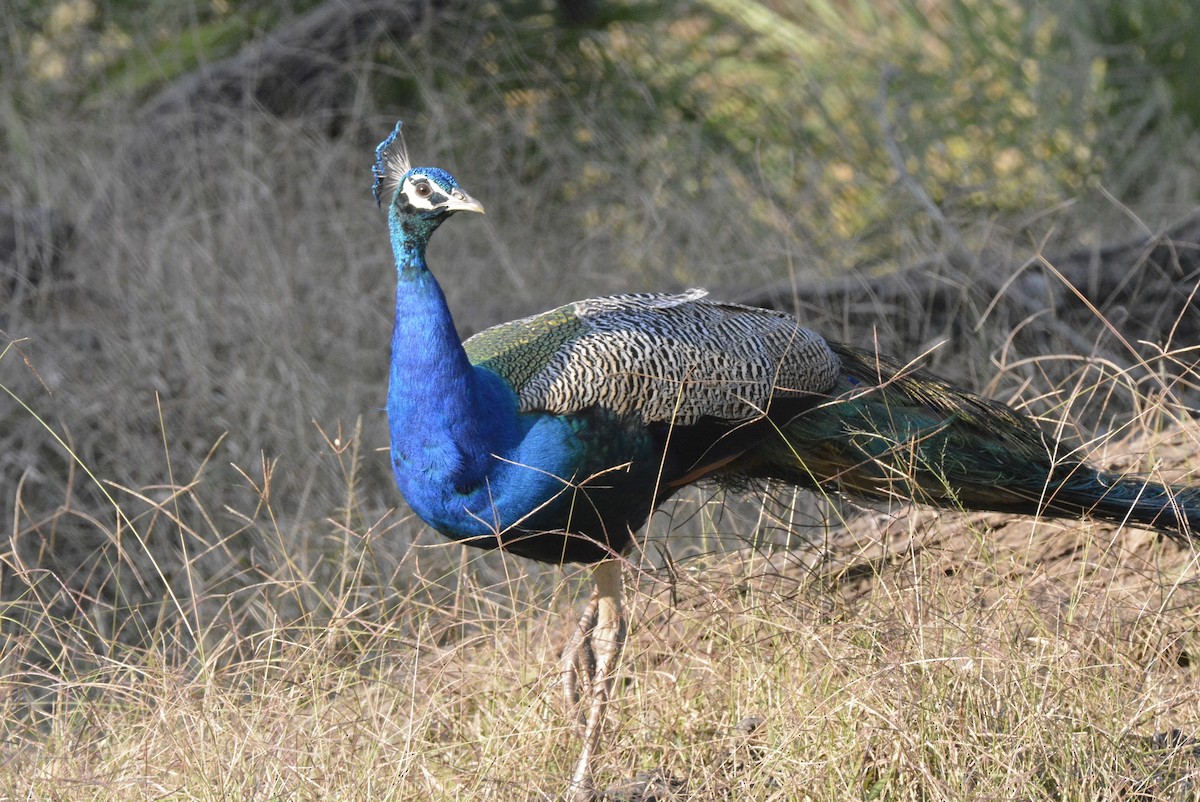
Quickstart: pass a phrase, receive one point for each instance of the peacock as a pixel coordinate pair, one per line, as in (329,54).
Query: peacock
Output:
(555,436)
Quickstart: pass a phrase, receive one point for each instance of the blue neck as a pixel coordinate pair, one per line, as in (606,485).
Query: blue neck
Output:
(439,429)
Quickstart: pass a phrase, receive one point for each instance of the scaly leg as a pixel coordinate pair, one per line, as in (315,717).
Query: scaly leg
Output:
(601,635)
(577,655)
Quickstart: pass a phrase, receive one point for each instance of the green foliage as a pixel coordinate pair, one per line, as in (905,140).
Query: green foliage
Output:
(1148,42)
(1146,56)
(94,50)
(139,70)
(806,113)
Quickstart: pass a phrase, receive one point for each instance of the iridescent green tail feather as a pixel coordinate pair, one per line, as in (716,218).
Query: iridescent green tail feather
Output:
(888,431)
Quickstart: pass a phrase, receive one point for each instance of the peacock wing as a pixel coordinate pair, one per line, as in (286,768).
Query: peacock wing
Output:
(657,357)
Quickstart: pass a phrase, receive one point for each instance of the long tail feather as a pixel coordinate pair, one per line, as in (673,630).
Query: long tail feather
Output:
(889,431)
(1172,509)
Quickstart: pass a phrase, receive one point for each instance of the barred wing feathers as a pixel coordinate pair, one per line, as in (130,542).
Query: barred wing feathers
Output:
(657,357)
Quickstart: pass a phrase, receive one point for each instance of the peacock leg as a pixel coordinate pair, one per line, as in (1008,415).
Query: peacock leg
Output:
(577,654)
(605,641)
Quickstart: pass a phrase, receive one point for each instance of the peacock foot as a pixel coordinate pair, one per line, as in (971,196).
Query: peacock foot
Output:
(588,665)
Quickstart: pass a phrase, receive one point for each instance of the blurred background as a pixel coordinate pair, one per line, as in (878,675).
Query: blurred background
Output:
(196,286)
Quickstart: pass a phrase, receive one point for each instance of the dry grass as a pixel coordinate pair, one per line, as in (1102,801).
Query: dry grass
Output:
(927,657)
(923,656)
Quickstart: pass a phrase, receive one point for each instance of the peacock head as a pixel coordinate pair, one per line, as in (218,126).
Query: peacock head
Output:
(419,198)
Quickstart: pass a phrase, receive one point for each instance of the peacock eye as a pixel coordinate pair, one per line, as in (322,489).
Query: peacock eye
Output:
(422,189)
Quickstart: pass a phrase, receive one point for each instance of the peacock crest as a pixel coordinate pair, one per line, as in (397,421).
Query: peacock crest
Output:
(391,164)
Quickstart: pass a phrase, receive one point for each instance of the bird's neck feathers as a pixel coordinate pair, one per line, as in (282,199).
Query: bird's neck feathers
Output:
(444,424)
(410,236)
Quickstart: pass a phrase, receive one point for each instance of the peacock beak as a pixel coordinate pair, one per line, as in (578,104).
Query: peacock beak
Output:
(462,202)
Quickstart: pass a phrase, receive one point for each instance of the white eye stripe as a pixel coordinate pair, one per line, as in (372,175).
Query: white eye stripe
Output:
(415,199)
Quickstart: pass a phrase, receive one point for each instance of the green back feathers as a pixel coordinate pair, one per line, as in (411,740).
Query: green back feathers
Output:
(520,349)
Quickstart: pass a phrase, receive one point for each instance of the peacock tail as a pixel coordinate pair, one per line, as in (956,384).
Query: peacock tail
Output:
(891,431)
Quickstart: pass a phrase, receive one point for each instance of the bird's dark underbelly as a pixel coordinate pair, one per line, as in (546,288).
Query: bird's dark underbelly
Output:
(602,513)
